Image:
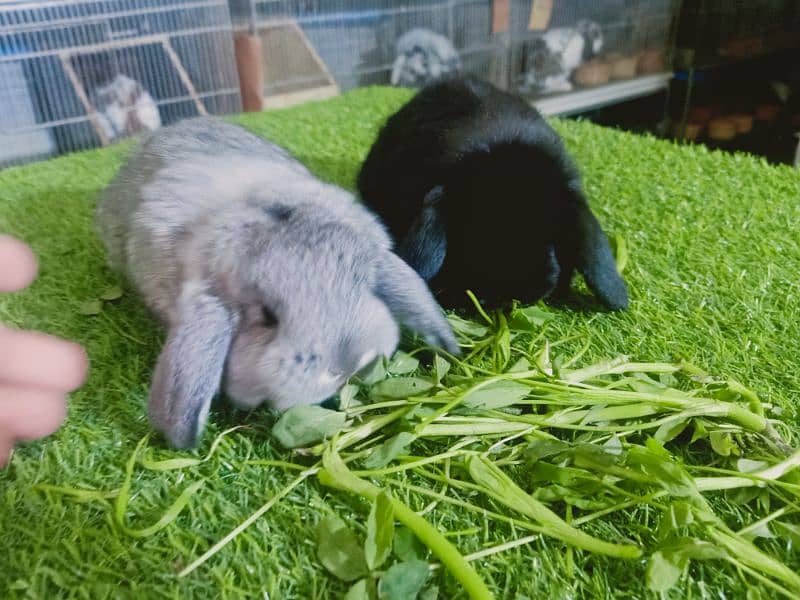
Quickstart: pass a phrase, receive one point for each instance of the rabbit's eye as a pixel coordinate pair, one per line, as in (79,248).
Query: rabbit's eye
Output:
(270,320)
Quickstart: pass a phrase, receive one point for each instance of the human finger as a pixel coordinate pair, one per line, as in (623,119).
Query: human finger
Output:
(18,264)
(31,413)
(37,359)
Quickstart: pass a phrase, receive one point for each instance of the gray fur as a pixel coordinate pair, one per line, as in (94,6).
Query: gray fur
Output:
(423,56)
(212,224)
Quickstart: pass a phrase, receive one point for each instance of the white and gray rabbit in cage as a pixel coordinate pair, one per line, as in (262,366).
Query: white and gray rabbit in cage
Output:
(423,56)
(550,59)
(125,108)
(273,285)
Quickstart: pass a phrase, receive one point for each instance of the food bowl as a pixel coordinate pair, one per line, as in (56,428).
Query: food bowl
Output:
(592,73)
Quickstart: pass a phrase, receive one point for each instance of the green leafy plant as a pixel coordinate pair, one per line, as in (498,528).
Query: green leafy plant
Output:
(340,553)
(523,437)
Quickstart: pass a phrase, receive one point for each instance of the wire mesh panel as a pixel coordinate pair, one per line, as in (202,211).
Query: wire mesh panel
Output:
(576,44)
(76,74)
(538,47)
(364,42)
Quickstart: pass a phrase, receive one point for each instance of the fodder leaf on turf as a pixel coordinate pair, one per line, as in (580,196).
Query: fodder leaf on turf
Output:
(389,450)
(440,368)
(402,364)
(338,549)
(498,394)
(380,531)
(407,546)
(530,318)
(303,425)
(401,387)
(111,293)
(363,589)
(403,581)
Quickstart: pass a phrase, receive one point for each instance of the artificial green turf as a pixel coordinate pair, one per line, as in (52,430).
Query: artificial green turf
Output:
(713,276)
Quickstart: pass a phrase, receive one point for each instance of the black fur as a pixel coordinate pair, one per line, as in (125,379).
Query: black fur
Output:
(479,193)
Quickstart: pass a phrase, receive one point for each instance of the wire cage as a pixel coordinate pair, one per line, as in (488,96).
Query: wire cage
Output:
(312,49)
(566,45)
(537,47)
(77,74)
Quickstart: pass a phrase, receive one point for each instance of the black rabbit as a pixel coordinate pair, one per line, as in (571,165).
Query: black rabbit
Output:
(479,193)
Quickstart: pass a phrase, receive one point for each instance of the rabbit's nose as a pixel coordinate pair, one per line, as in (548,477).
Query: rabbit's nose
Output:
(309,359)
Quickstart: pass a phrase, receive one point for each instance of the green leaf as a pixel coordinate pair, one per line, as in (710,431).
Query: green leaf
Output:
(522,364)
(496,395)
(678,515)
(670,430)
(403,581)
(402,364)
(692,548)
(761,530)
(112,293)
(613,446)
(671,475)
(389,450)
(539,449)
(304,425)
(375,373)
(566,476)
(90,308)
(338,549)
(788,531)
(663,571)
(347,396)
(363,589)
(721,443)
(406,545)
(746,465)
(530,318)
(700,431)
(469,329)
(401,387)
(498,485)
(440,368)
(430,593)
(503,340)
(380,532)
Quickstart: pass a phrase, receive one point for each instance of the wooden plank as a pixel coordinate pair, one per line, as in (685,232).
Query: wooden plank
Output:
(541,11)
(294,98)
(84,98)
(501,15)
(184,76)
(249,64)
(313,51)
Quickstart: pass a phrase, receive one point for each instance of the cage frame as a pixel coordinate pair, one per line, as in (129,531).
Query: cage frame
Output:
(65,58)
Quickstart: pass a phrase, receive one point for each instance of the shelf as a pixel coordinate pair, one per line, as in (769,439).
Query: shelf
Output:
(596,97)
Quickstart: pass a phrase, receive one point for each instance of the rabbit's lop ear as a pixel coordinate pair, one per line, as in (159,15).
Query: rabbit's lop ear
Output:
(189,369)
(594,259)
(411,302)
(425,244)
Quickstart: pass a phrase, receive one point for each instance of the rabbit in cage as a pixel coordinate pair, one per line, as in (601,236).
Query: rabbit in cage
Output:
(550,59)
(423,56)
(125,108)
(273,284)
(479,193)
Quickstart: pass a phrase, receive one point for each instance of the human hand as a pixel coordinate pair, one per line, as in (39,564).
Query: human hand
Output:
(37,371)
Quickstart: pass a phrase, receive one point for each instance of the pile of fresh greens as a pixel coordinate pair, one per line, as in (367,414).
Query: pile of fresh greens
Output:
(518,434)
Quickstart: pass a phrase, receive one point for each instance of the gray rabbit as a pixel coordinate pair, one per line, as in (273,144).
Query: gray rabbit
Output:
(273,285)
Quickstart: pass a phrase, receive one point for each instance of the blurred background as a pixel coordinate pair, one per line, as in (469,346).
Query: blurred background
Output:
(78,74)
